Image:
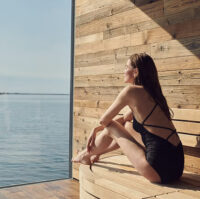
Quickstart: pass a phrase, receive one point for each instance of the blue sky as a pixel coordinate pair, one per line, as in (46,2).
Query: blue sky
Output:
(35,46)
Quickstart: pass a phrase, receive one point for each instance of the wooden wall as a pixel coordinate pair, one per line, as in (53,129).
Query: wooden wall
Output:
(108,31)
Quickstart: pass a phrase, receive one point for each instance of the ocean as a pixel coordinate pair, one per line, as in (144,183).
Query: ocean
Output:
(34,138)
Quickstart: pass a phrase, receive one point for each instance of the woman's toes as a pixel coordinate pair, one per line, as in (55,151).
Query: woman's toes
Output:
(94,158)
(82,157)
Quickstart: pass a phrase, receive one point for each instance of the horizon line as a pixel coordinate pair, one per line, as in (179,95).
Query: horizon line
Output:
(16,93)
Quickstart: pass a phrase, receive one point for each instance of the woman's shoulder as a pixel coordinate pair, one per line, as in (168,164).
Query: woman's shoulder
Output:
(133,93)
(133,90)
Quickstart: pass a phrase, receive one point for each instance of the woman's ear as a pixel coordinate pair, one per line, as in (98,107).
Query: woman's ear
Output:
(135,72)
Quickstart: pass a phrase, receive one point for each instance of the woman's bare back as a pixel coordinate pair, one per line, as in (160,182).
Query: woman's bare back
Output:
(142,106)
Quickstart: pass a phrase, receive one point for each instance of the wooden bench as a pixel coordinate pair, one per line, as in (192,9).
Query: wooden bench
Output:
(115,177)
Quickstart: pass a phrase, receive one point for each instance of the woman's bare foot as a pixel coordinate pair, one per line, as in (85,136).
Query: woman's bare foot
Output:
(94,158)
(82,157)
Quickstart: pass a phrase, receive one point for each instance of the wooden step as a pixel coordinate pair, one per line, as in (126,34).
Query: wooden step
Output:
(116,177)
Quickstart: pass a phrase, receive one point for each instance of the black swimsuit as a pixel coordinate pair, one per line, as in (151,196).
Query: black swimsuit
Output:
(164,157)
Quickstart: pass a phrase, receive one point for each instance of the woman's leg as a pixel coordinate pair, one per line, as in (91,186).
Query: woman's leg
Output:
(103,144)
(113,146)
(133,150)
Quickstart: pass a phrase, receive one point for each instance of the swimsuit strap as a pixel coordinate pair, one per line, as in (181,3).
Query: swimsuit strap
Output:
(149,113)
(159,126)
(174,131)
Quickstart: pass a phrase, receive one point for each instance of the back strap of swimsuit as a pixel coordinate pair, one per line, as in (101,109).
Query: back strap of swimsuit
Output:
(159,126)
(174,131)
(149,113)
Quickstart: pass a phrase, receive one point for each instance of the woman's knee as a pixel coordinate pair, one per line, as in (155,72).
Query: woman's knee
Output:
(127,124)
(113,126)
(116,126)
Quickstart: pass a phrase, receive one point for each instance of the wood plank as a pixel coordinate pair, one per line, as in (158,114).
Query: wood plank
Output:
(98,190)
(188,140)
(178,31)
(98,70)
(186,114)
(90,6)
(176,48)
(109,44)
(75,173)
(85,195)
(180,96)
(92,103)
(107,11)
(192,128)
(177,97)
(193,193)
(173,77)
(171,23)
(185,15)
(124,180)
(175,195)
(120,56)
(87,122)
(184,62)
(132,39)
(191,151)
(120,189)
(96,93)
(81,2)
(68,188)
(193,163)
(133,16)
(88,13)
(174,6)
(176,19)
(190,178)
(89,38)
(92,10)
(99,58)
(116,164)
(184,30)
(96,112)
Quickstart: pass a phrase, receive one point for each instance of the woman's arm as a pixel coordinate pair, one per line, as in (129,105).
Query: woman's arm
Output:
(120,120)
(119,103)
(128,116)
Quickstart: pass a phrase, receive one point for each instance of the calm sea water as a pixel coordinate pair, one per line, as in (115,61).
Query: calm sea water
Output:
(34,138)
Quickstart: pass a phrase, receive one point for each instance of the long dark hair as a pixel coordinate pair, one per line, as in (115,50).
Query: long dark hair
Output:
(148,78)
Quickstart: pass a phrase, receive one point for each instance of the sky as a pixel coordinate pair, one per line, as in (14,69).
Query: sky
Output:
(35,46)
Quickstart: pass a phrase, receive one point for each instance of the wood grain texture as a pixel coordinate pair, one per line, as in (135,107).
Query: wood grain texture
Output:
(131,16)
(58,189)
(116,175)
(172,77)
(107,33)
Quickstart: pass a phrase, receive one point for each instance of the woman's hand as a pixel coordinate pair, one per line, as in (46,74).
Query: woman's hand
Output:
(92,136)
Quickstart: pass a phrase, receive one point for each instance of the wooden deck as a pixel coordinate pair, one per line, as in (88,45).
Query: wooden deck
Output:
(59,189)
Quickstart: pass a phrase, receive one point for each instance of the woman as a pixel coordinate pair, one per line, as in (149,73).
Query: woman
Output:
(151,143)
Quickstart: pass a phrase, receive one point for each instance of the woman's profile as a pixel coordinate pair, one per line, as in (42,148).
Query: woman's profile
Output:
(151,142)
